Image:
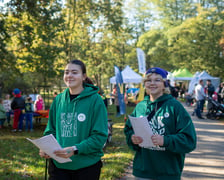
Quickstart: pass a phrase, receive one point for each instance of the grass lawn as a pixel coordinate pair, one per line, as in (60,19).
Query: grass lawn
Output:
(19,159)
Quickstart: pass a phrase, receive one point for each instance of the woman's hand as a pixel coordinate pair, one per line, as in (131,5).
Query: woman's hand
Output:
(157,140)
(43,154)
(65,153)
(136,139)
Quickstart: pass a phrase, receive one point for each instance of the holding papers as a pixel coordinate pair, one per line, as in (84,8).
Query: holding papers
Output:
(49,144)
(141,128)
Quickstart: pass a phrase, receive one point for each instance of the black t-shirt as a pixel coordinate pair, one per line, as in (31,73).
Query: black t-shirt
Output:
(73,96)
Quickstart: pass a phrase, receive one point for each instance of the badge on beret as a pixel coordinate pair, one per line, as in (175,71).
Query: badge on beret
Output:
(153,70)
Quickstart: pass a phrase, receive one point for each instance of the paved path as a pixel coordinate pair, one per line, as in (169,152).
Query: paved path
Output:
(206,162)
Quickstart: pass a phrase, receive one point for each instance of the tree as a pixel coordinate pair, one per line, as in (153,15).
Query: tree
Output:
(174,12)
(87,28)
(154,43)
(32,32)
(195,44)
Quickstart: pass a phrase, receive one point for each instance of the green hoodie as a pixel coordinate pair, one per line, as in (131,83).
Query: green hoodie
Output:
(173,122)
(81,122)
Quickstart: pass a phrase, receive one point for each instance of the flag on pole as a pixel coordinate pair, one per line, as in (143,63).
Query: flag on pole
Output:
(119,81)
(118,75)
(141,93)
(141,60)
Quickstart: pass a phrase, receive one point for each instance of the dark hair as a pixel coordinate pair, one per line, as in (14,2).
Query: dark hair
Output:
(29,98)
(83,68)
(88,81)
(80,63)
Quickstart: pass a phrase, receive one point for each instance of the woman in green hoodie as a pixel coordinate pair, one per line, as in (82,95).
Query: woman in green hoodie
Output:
(173,132)
(78,120)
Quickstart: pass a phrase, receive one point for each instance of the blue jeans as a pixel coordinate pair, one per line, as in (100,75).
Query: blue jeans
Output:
(8,114)
(199,106)
(29,120)
(2,122)
(21,118)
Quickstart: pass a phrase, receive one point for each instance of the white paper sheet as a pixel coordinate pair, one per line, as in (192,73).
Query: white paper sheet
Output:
(141,128)
(49,144)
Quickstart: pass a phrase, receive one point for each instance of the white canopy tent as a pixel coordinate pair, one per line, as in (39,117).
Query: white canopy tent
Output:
(171,78)
(129,76)
(204,76)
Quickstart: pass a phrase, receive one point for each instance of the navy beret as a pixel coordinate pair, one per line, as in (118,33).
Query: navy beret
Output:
(159,71)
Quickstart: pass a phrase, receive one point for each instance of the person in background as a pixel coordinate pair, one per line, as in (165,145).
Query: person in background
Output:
(116,100)
(2,114)
(29,109)
(209,88)
(173,131)
(7,106)
(220,92)
(200,98)
(171,88)
(78,120)
(176,90)
(18,107)
(39,105)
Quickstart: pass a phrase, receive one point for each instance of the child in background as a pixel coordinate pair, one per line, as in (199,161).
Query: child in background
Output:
(39,105)
(29,114)
(2,114)
(7,106)
(18,106)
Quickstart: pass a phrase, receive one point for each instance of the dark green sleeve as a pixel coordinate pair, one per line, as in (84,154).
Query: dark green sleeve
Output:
(128,131)
(99,131)
(184,139)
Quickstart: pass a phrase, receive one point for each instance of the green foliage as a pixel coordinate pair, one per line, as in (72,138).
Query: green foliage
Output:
(194,43)
(154,43)
(37,38)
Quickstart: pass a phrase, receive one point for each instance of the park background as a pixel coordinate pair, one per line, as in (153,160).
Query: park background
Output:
(37,38)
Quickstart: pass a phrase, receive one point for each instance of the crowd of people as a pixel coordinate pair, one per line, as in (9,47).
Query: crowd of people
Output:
(19,108)
(202,95)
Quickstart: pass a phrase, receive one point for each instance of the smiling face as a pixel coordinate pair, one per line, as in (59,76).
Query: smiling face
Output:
(73,78)
(154,86)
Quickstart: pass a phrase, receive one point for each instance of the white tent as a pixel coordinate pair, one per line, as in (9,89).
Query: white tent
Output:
(204,76)
(129,76)
(171,78)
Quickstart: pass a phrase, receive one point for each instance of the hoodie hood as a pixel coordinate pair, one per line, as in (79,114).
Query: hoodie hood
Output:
(89,90)
(164,97)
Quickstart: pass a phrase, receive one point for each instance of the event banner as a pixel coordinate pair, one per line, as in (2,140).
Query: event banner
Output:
(119,81)
(141,60)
